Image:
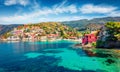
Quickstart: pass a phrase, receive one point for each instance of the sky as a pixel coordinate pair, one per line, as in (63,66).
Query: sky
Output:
(35,11)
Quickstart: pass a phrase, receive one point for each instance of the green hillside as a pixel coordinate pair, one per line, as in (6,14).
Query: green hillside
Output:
(82,24)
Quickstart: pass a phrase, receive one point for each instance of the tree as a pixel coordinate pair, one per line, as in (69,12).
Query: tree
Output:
(113,29)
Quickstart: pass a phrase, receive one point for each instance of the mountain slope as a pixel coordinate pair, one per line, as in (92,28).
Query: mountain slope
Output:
(6,28)
(81,24)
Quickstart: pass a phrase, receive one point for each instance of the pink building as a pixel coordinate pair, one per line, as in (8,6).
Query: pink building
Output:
(89,38)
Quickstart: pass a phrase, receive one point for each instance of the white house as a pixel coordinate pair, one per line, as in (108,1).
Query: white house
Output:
(13,38)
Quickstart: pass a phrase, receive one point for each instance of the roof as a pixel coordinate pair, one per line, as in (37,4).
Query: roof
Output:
(52,35)
(90,34)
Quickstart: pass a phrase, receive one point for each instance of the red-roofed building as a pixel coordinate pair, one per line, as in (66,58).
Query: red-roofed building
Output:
(18,32)
(52,35)
(89,38)
(72,37)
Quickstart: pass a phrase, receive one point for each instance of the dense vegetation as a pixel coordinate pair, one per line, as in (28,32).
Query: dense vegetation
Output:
(113,30)
(48,28)
(110,37)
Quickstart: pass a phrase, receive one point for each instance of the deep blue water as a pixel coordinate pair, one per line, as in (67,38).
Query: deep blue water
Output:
(56,56)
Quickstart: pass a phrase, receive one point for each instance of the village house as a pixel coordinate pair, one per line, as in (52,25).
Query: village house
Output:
(43,38)
(73,38)
(13,38)
(92,37)
(89,38)
(52,36)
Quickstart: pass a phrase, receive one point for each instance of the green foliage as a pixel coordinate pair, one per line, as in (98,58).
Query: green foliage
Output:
(117,36)
(94,44)
(6,35)
(113,30)
(100,43)
(27,30)
(113,25)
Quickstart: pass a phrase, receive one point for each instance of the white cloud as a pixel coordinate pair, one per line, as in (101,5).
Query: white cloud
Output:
(90,8)
(30,17)
(44,14)
(62,4)
(70,8)
(10,2)
(61,8)
(73,9)
(114,13)
(14,2)
(35,5)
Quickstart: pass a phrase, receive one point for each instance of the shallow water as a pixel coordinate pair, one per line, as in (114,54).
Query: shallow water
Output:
(56,56)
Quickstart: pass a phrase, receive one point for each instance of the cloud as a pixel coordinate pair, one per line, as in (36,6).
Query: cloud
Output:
(62,4)
(61,8)
(39,13)
(14,2)
(90,8)
(35,5)
(114,13)
(70,8)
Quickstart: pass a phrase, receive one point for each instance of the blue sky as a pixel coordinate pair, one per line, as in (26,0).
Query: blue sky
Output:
(35,11)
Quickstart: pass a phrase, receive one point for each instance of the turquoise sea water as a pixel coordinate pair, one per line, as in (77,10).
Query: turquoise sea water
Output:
(56,56)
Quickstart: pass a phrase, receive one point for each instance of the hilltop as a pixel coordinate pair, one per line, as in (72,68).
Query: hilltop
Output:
(83,23)
(6,28)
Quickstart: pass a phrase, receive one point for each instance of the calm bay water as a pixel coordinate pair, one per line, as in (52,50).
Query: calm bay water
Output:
(56,56)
